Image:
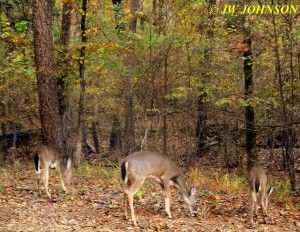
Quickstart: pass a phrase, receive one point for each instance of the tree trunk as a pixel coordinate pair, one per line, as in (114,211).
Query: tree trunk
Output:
(96,137)
(115,134)
(165,125)
(129,134)
(249,110)
(45,73)
(62,95)
(202,108)
(134,6)
(78,152)
(201,125)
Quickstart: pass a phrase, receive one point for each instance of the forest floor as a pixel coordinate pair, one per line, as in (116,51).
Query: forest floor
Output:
(95,203)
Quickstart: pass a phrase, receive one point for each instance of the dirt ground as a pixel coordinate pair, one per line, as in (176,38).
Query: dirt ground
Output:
(95,203)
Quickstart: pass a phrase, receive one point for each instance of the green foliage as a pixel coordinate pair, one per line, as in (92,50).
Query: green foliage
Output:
(2,187)
(21,26)
(282,191)
(139,194)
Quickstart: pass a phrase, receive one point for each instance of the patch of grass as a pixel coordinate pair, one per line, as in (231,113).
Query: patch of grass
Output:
(4,174)
(282,191)
(108,174)
(228,184)
(218,182)
(87,169)
(2,187)
(196,177)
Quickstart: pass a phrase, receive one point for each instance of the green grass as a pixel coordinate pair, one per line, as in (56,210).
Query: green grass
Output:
(2,187)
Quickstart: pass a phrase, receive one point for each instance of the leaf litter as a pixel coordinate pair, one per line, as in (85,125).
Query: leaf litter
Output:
(96,204)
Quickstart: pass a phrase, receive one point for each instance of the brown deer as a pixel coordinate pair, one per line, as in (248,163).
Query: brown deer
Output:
(257,180)
(136,167)
(46,157)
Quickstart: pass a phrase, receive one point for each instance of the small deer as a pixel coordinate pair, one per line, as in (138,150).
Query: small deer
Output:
(136,167)
(258,183)
(47,157)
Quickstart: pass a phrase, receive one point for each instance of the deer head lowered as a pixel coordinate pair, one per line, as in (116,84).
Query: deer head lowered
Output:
(136,167)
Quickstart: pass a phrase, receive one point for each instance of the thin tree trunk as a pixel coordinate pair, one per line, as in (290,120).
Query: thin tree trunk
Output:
(129,134)
(78,152)
(165,125)
(62,95)
(115,134)
(202,105)
(96,137)
(249,110)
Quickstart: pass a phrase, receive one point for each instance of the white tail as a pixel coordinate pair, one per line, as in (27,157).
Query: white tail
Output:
(47,157)
(258,184)
(136,167)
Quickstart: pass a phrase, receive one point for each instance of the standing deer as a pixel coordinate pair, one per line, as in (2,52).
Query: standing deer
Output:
(258,183)
(47,157)
(136,167)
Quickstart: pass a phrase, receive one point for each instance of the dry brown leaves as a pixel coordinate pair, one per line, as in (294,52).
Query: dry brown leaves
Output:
(96,204)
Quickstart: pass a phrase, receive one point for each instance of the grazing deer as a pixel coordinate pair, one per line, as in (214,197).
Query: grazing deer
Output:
(258,183)
(47,157)
(135,168)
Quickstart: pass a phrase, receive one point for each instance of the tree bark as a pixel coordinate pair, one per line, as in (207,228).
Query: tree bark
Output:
(78,152)
(249,110)
(202,105)
(96,137)
(62,94)
(165,125)
(115,134)
(129,133)
(46,73)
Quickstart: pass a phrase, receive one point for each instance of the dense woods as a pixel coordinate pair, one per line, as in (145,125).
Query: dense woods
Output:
(99,79)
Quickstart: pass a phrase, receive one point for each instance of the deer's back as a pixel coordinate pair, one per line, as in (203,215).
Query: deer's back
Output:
(148,163)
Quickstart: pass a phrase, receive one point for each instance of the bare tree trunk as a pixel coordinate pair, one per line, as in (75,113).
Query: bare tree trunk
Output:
(165,125)
(115,134)
(201,126)
(249,110)
(129,134)
(62,95)
(78,152)
(96,137)
(45,73)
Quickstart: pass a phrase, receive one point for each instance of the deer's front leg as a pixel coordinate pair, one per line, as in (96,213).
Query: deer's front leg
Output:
(38,183)
(165,185)
(62,180)
(45,179)
(252,206)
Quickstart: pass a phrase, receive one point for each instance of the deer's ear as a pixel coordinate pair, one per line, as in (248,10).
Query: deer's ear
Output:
(193,191)
(69,162)
(270,190)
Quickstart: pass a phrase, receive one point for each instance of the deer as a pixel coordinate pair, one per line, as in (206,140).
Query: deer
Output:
(46,157)
(257,180)
(138,166)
